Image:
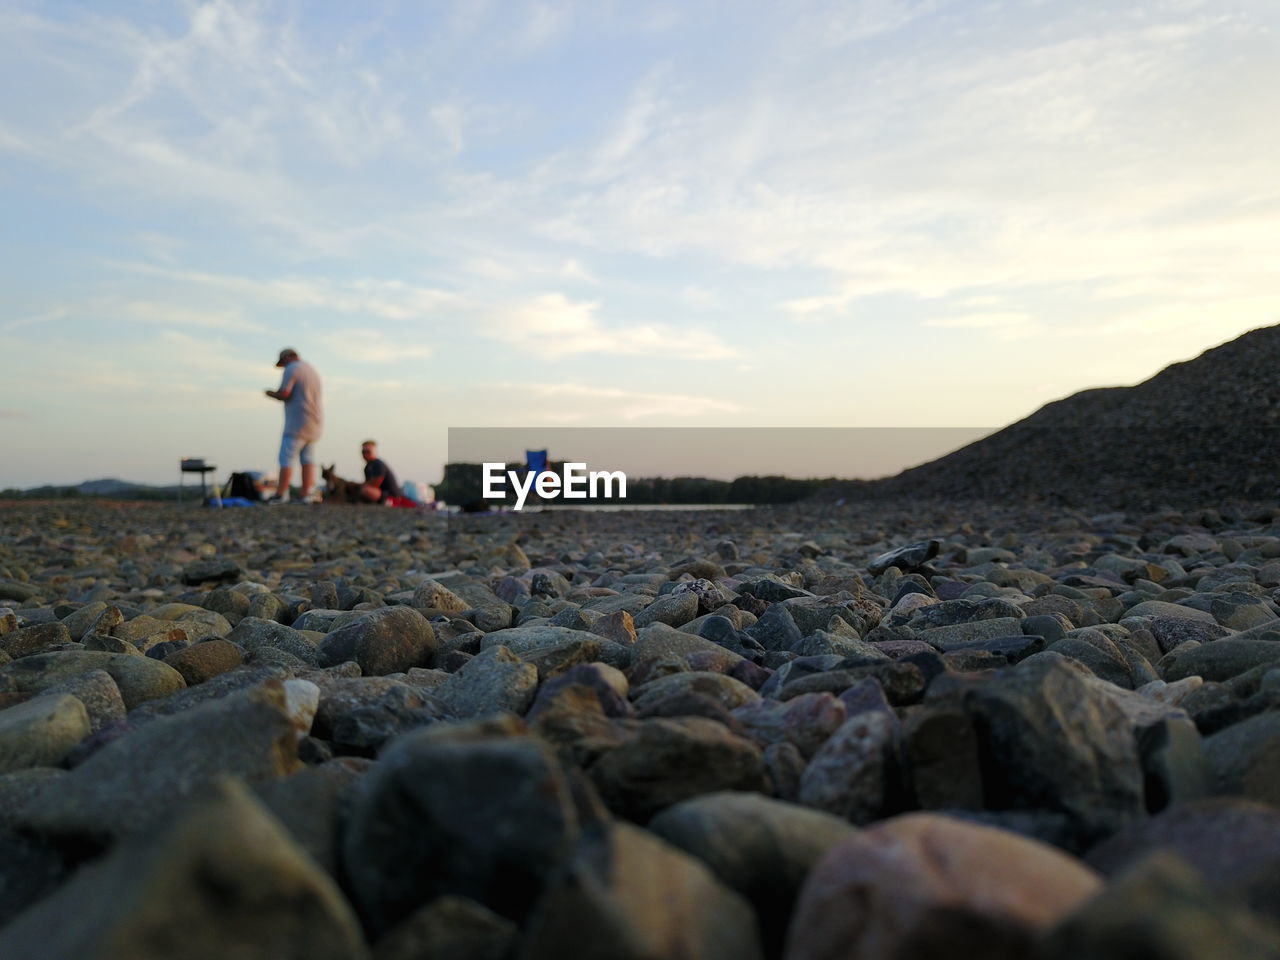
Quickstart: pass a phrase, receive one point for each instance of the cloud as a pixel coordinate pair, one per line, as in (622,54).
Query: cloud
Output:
(544,24)
(573,269)
(981,321)
(638,122)
(14,142)
(161,373)
(51,315)
(1187,323)
(162,247)
(182,315)
(1014,159)
(219,112)
(363,345)
(389,299)
(602,403)
(696,296)
(846,24)
(808,309)
(552,325)
(449,119)
(14,414)
(1040,152)
(193,361)
(1005,326)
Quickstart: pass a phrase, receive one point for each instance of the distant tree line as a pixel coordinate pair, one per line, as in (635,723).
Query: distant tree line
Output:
(462,484)
(75,493)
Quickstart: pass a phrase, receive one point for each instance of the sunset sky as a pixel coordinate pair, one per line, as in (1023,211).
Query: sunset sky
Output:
(871,213)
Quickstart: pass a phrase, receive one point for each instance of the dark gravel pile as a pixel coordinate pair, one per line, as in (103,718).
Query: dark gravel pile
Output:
(1196,432)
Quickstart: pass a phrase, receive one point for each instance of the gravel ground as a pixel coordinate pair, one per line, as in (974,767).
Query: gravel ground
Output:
(864,731)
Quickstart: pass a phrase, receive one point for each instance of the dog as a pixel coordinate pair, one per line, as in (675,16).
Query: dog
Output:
(338,490)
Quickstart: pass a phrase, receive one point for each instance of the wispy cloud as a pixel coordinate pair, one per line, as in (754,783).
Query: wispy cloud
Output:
(390,299)
(14,142)
(842,25)
(218,112)
(602,403)
(183,315)
(366,346)
(981,321)
(807,309)
(552,325)
(573,269)
(638,122)
(892,180)
(36,320)
(175,368)
(449,120)
(697,296)
(543,23)
(1006,326)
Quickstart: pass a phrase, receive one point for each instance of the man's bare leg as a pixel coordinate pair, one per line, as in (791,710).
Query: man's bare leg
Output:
(308,478)
(282,485)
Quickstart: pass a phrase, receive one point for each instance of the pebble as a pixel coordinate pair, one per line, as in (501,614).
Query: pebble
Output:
(450,927)
(759,847)
(139,678)
(382,641)
(928,885)
(127,784)
(98,693)
(640,897)
(664,760)
(203,661)
(1233,844)
(494,681)
(463,811)
(1161,908)
(126,904)
(1244,759)
(41,732)
(855,774)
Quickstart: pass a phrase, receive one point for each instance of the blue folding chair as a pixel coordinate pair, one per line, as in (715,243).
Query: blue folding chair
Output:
(536,461)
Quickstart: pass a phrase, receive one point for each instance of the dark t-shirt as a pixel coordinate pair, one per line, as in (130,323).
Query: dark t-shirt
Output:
(378,468)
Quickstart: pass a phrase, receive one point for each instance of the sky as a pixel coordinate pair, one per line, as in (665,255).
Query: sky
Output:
(869,213)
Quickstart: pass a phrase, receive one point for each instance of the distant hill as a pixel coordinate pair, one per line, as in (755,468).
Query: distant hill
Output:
(1200,430)
(111,487)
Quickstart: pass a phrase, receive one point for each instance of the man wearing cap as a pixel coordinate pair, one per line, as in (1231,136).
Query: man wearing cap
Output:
(303,420)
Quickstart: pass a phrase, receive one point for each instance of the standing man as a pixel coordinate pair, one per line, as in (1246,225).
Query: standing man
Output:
(379,481)
(303,421)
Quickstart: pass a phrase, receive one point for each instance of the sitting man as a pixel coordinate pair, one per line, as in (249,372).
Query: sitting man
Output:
(379,481)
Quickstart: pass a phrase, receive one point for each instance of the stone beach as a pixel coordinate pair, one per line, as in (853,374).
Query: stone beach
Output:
(874,729)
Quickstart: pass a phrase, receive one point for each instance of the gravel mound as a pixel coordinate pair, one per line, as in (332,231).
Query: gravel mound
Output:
(1196,432)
